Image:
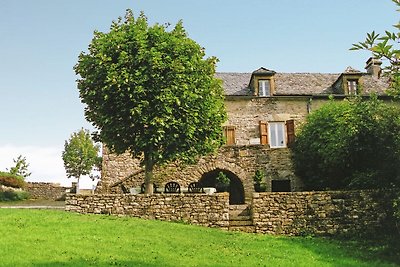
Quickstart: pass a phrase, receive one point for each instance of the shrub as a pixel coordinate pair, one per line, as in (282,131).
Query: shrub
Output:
(10,195)
(11,180)
(351,144)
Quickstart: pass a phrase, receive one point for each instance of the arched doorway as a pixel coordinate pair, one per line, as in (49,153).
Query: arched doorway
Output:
(236,190)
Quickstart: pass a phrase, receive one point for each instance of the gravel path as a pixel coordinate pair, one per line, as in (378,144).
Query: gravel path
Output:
(34,204)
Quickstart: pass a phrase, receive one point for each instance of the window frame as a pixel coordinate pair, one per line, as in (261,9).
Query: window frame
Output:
(352,86)
(275,132)
(263,88)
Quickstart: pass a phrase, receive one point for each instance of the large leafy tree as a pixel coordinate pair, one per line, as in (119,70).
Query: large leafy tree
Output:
(352,144)
(151,91)
(80,154)
(386,46)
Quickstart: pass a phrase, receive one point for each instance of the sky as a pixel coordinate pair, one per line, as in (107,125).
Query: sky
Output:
(40,42)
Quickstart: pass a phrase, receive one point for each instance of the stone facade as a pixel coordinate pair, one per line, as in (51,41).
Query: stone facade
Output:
(45,191)
(199,209)
(320,213)
(241,159)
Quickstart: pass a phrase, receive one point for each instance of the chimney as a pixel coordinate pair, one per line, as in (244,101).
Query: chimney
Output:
(374,67)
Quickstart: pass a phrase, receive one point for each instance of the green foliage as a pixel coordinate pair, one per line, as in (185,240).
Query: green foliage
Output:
(123,241)
(20,168)
(11,180)
(351,144)
(80,154)
(259,176)
(223,179)
(396,210)
(151,92)
(386,47)
(10,195)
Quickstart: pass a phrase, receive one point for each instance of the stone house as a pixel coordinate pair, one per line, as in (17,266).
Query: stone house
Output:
(264,109)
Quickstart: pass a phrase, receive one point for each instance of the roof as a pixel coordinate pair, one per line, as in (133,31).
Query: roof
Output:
(297,83)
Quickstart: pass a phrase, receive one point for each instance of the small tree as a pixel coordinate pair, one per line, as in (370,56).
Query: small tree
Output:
(20,168)
(150,91)
(80,154)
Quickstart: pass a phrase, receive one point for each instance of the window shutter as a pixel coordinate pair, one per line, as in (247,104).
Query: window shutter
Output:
(263,133)
(290,132)
(229,132)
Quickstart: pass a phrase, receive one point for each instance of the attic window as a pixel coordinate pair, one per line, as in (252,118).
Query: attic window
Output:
(352,86)
(264,87)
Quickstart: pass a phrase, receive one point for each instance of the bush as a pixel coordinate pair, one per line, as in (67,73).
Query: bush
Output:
(11,180)
(352,144)
(10,195)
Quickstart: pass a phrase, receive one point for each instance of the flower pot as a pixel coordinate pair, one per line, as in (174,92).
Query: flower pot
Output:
(261,187)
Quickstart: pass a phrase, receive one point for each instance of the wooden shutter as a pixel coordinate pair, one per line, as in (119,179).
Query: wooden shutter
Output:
(290,132)
(229,132)
(263,133)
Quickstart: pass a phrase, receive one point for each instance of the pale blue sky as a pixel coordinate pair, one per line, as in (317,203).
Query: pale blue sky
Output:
(41,40)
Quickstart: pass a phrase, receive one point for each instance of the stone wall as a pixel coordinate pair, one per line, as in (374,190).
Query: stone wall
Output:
(319,213)
(293,213)
(45,190)
(199,209)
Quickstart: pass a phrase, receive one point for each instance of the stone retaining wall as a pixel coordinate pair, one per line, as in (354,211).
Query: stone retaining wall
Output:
(199,209)
(293,213)
(45,190)
(320,213)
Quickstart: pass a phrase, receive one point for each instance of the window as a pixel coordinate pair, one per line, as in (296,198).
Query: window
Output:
(277,134)
(352,86)
(277,137)
(280,186)
(229,133)
(264,87)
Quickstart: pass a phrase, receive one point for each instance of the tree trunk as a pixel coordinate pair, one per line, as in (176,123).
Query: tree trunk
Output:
(148,174)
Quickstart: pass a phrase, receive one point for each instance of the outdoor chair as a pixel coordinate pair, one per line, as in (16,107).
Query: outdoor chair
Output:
(143,188)
(195,187)
(172,187)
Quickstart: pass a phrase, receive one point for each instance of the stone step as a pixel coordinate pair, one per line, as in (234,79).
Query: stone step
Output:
(237,210)
(239,217)
(241,223)
(246,229)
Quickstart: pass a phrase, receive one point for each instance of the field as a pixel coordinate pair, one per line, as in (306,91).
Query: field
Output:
(58,238)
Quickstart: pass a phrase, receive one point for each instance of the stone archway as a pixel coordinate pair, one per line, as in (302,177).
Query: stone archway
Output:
(236,174)
(235,189)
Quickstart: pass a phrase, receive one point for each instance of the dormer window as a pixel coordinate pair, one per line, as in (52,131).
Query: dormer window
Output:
(348,83)
(352,86)
(264,87)
(262,82)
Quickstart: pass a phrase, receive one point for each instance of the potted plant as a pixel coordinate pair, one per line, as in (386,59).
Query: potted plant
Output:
(259,184)
(223,182)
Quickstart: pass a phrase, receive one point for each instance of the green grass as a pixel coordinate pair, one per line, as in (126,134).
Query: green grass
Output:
(58,238)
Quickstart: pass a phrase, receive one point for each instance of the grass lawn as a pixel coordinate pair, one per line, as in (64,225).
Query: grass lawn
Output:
(58,238)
